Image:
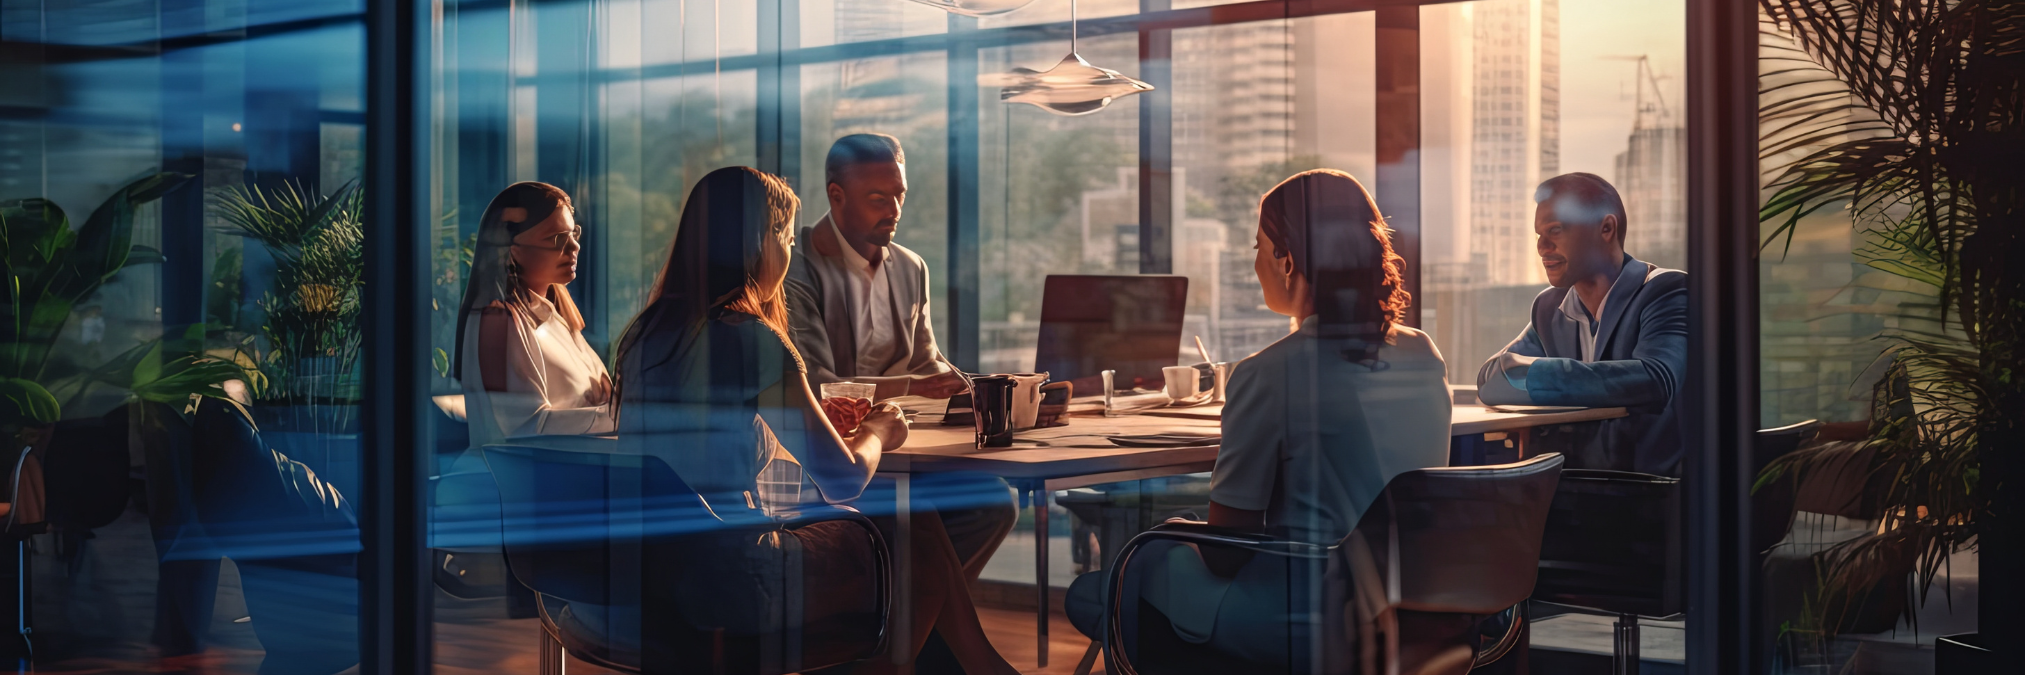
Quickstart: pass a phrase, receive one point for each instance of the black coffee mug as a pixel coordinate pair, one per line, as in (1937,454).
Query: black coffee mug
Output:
(991,405)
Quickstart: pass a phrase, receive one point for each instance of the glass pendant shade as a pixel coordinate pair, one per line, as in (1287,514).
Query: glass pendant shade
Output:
(976,7)
(1072,87)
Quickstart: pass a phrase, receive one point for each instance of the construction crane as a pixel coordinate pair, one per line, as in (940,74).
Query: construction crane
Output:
(1648,113)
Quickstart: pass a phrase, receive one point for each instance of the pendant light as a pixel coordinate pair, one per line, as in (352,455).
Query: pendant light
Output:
(1072,87)
(976,7)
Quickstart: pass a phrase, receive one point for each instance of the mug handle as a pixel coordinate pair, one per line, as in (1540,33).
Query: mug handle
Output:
(1067,388)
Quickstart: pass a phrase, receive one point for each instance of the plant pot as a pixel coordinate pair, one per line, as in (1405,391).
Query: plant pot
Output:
(1963,655)
(323,437)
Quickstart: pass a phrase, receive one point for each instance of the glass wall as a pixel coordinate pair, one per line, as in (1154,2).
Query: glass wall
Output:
(1517,91)
(178,190)
(1860,353)
(230,134)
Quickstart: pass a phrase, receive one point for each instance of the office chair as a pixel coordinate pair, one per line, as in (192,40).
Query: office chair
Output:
(1438,552)
(634,571)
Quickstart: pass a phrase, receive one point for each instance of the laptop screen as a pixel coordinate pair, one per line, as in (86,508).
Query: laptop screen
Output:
(1092,323)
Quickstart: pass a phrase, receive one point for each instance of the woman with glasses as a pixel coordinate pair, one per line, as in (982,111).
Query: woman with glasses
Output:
(526,372)
(521,353)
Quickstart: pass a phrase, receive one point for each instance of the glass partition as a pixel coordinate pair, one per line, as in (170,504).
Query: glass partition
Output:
(225,139)
(1059,195)
(1868,368)
(1517,91)
(179,197)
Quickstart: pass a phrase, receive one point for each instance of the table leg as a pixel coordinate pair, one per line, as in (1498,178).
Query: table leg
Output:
(1040,502)
(903,573)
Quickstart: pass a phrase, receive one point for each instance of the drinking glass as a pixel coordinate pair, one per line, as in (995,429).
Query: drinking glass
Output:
(848,390)
(1110,393)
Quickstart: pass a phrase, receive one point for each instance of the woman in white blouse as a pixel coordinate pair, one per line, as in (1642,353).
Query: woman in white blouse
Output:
(522,359)
(533,374)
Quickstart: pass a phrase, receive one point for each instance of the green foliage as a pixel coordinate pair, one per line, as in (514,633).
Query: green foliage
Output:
(221,301)
(311,327)
(1869,107)
(28,402)
(47,268)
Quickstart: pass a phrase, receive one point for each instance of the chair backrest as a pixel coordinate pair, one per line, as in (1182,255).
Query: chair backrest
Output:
(1467,536)
(574,522)
(1772,501)
(1613,543)
(256,503)
(86,473)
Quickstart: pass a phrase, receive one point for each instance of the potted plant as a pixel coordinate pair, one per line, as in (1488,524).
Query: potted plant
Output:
(308,325)
(49,269)
(1908,115)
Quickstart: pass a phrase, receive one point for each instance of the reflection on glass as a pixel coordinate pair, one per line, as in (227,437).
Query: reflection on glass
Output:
(977,7)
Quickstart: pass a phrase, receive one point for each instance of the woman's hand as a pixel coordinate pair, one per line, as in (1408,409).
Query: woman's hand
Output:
(886,422)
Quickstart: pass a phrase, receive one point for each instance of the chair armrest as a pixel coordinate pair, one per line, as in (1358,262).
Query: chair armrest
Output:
(1615,476)
(1198,533)
(1201,533)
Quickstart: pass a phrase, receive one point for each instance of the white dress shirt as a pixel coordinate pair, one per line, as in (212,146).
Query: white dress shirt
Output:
(869,299)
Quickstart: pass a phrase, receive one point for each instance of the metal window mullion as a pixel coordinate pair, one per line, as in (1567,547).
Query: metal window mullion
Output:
(1398,143)
(1156,146)
(779,123)
(394,586)
(965,207)
(1720,398)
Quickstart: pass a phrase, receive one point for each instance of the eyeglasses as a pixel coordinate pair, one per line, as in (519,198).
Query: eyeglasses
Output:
(559,241)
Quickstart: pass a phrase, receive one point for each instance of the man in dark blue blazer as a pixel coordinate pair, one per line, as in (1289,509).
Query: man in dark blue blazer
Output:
(1610,332)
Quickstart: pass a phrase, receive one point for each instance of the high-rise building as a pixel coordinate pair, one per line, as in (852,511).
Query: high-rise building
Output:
(1233,86)
(1651,176)
(1516,142)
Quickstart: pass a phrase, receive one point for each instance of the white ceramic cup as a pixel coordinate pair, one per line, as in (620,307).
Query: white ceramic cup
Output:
(1183,382)
(1027,399)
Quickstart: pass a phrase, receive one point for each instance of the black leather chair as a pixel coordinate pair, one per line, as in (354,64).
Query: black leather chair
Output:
(86,478)
(1772,499)
(1614,541)
(1438,552)
(635,572)
(293,538)
(1614,545)
(186,575)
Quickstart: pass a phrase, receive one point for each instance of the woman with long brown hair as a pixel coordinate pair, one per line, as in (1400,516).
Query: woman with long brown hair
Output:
(710,383)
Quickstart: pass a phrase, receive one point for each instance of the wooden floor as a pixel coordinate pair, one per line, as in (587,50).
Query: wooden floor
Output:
(473,647)
(97,619)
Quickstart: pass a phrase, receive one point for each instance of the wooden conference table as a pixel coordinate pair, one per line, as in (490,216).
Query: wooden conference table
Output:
(1044,461)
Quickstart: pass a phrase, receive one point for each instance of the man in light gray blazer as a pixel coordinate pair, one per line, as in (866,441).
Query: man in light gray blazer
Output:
(1611,331)
(858,311)
(858,301)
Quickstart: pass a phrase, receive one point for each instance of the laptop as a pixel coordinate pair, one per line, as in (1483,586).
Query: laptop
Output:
(1128,323)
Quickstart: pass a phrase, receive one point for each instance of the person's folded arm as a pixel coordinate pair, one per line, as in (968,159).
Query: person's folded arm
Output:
(1651,377)
(1493,385)
(514,382)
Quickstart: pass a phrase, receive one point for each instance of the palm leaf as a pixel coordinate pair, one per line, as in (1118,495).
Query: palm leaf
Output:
(1905,114)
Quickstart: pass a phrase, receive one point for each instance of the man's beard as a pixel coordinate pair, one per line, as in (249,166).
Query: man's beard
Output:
(880,236)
